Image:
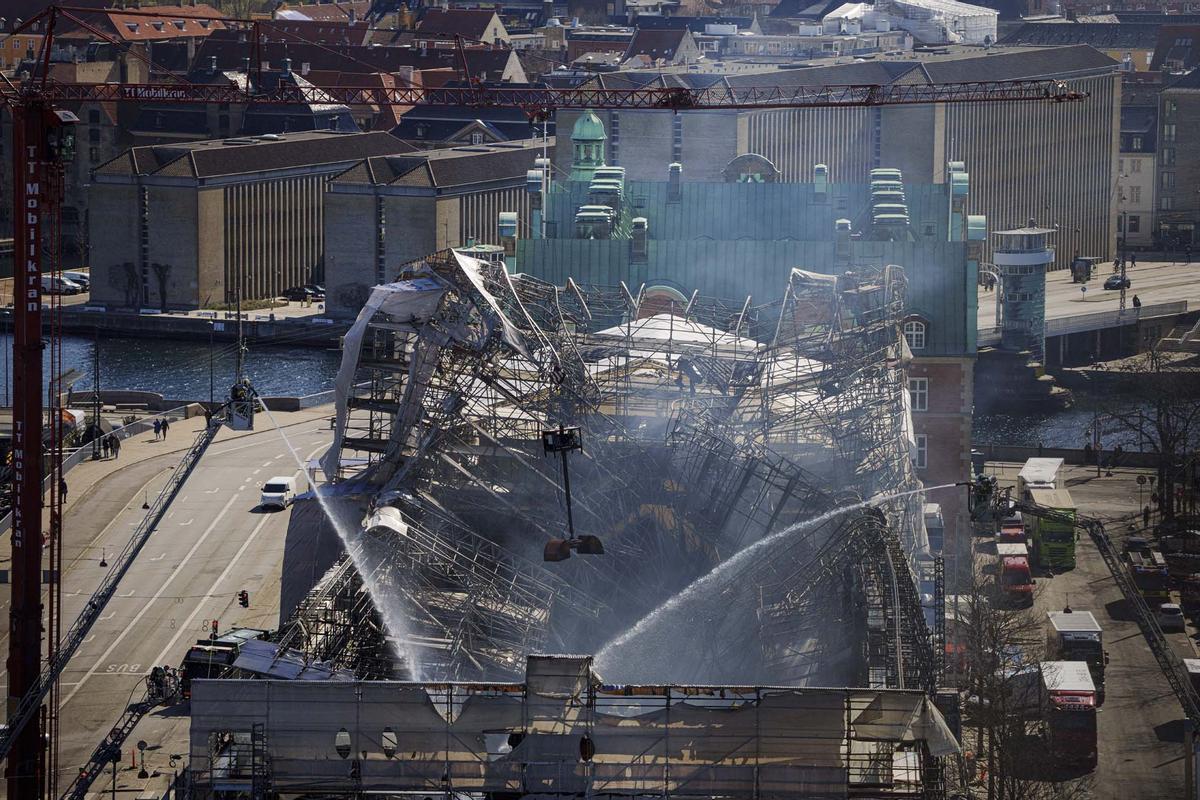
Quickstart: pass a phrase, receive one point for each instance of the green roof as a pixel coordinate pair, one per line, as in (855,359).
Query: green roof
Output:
(588,128)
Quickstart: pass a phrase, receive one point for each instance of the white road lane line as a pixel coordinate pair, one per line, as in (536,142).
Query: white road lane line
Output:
(146,606)
(212,591)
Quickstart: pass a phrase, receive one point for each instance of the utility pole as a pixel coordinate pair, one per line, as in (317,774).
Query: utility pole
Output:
(96,432)
(212,393)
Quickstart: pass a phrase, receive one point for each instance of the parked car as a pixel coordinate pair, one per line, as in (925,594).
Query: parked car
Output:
(1170,617)
(82,278)
(1117,282)
(57,284)
(309,291)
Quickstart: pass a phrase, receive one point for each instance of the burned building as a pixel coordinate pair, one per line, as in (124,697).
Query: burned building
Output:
(736,238)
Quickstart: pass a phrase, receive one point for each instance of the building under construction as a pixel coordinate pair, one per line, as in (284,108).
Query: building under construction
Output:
(714,498)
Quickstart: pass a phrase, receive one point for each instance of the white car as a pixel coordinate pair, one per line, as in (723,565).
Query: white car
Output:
(1170,617)
(278,493)
(82,279)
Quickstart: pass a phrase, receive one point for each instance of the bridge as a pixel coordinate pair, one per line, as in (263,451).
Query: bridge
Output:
(1082,324)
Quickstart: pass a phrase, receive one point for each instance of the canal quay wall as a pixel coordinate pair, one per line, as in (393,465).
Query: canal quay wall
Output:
(1019,454)
(139,401)
(261,327)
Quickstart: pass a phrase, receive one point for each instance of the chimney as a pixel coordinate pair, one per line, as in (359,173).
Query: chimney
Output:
(841,250)
(212,65)
(674,176)
(639,248)
(508,233)
(820,183)
(351,15)
(286,69)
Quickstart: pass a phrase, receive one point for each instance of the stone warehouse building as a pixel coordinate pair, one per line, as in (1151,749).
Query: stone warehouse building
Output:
(1052,161)
(737,236)
(387,210)
(186,226)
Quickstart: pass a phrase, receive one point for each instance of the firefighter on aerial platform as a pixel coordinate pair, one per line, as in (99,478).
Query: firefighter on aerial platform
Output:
(982,491)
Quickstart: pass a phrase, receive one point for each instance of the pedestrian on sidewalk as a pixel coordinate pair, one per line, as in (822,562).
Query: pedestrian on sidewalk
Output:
(1146,517)
(207,418)
(1137,301)
(116,447)
(157,429)
(165,427)
(62,489)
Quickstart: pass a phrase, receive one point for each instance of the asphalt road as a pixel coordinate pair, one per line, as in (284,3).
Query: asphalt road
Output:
(1140,725)
(212,543)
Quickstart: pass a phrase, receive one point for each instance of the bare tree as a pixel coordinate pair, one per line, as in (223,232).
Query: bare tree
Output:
(995,642)
(1158,405)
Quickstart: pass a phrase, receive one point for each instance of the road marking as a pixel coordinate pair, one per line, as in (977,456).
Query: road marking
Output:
(268,463)
(127,594)
(213,491)
(159,557)
(212,590)
(90,636)
(189,522)
(107,616)
(146,606)
(257,471)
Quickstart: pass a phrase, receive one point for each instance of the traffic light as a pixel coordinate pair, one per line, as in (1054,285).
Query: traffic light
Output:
(244,598)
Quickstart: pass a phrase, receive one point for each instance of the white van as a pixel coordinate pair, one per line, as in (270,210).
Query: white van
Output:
(57,284)
(278,493)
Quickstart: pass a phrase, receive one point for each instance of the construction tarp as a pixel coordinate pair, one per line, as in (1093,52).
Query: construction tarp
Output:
(685,741)
(413,302)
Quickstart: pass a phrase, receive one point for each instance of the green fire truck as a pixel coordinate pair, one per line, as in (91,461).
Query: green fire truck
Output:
(1053,539)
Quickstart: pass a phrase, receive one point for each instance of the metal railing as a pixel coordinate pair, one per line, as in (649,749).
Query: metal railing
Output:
(33,699)
(1061,326)
(84,453)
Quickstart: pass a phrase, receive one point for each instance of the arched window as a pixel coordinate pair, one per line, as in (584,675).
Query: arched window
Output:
(914,334)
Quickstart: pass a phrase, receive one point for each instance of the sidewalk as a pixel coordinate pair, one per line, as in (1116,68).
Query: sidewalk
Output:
(83,479)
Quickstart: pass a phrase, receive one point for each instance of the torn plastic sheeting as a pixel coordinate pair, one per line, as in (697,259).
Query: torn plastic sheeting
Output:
(512,337)
(415,300)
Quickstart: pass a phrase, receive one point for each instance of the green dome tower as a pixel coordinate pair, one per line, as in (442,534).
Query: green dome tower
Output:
(588,139)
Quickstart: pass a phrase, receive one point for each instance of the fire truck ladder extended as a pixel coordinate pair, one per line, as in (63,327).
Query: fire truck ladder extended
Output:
(1167,661)
(109,749)
(108,587)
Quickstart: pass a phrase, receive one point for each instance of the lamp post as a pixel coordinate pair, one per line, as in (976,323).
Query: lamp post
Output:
(212,396)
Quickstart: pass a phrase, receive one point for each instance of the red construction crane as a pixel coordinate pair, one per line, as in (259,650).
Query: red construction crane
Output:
(43,140)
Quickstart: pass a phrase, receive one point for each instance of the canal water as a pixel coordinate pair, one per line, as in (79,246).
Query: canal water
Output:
(1066,428)
(179,370)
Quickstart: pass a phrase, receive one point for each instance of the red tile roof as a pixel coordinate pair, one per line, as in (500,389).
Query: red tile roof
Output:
(151,24)
(467,23)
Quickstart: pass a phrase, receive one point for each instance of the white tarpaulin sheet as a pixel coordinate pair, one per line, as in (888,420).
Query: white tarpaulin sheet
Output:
(413,302)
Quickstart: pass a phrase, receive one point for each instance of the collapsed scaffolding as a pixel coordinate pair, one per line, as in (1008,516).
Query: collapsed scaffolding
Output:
(707,428)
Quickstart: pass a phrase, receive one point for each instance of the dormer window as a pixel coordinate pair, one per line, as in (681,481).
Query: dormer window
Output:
(914,334)
(158,26)
(132,27)
(179,24)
